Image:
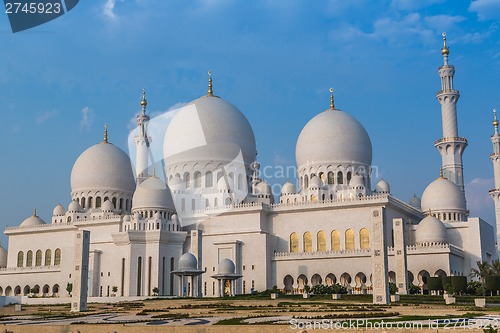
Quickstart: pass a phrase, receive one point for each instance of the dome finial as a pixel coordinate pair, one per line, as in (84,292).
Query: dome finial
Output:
(495,121)
(144,102)
(210,90)
(429,213)
(332,101)
(445,51)
(441,172)
(154,172)
(34,212)
(105,133)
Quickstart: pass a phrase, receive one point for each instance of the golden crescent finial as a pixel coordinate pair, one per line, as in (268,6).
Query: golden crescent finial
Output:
(445,50)
(144,102)
(210,88)
(495,121)
(332,102)
(105,133)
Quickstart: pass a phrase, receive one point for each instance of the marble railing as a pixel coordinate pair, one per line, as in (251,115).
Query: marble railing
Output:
(34,269)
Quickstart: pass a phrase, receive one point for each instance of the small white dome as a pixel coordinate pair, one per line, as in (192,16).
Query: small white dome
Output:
(153,193)
(382,187)
(415,202)
(431,230)
(126,218)
(31,221)
(357,181)
(174,218)
(188,261)
(102,167)
(333,137)
(288,188)
(58,210)
(177,184)
(3,257)
(263,188)
(443,195)
(226,266)
(74,207)
(222,185)
(107,206)
(315,182)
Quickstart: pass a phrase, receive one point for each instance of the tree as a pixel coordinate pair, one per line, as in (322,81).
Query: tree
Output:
(483,269)
(495,267)
(156,291)
(114,289)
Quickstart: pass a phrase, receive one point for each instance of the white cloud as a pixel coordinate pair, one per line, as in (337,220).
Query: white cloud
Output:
(478,200)
(486,9)
(108,9)
(45,116)
(87,118)
(411,5)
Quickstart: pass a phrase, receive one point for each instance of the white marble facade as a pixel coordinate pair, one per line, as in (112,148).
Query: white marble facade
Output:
(215,205)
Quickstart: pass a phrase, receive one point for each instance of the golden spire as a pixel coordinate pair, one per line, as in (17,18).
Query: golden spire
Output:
(34,212)
(445,50)
(210,90)
(429,213)
(144,102)
(495,121)
(441,172)
(105,133)
(332,102)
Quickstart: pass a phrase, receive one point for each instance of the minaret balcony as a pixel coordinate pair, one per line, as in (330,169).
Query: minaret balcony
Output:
(452,139)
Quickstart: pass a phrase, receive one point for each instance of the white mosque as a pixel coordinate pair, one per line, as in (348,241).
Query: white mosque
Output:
(214,228)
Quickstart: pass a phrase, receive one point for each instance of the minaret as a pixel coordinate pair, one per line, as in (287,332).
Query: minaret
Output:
(495,158)
(142,142)
(450,146)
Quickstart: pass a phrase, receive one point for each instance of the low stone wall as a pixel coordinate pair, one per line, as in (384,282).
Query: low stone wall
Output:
(67,300)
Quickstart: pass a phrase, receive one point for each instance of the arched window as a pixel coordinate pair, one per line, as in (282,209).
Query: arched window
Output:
(98,202)
(197,179)
(83,202)
(340,178)
(127,205)
(216,203)
(209,181)
(349,176)
(183,205)
(240,181)
(187,179)
(121,203)
(321,241)
(220,174)
(20,259)
(364,239)
(69,219)
(294,242)
(48,257)
(114,202)
(38,258)
(335,240)
(91,202)
(308,242)
(349,239)
(29,258)
(321,176)
(193,204)
(331,178)
(228,201)
(306,181)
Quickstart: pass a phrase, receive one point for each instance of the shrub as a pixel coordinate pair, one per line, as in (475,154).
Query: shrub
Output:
(435,283)
(393,289)
(459,284)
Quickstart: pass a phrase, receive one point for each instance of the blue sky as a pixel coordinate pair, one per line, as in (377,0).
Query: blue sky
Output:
(274,59)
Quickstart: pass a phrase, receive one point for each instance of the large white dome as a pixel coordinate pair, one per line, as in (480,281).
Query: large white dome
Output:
(208,129)
(152,193)
(333,137)
(443,195)
(102,167)
(188,262)
(431,230)
(32,221)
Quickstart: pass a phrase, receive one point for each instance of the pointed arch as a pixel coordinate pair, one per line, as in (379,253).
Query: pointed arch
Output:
(321,241)
(307,242)
(294,242)
(364,239)
(335,240)
(349,240)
